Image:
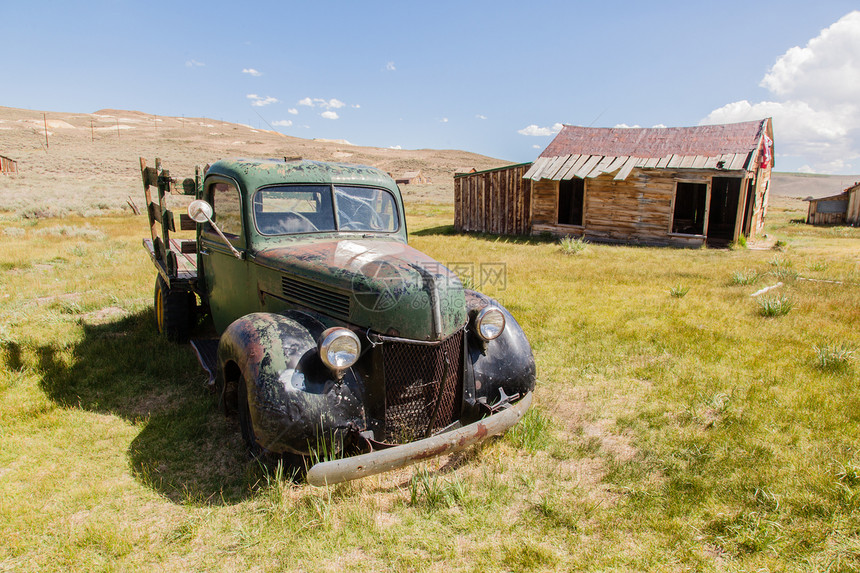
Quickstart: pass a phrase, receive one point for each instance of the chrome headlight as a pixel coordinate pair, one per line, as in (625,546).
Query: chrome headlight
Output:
(339,348)
(489,323)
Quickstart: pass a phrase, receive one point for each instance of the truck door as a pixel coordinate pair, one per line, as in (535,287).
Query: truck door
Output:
(226,277)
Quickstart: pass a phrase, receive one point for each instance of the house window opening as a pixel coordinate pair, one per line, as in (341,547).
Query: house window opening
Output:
(689,215)
(571,194)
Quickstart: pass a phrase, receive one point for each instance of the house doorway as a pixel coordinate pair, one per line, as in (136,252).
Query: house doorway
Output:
(723,210)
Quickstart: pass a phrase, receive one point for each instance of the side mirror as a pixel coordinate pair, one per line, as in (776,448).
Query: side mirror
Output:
(200,211)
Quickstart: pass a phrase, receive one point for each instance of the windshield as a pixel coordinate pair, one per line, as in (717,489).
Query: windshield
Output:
(319,208)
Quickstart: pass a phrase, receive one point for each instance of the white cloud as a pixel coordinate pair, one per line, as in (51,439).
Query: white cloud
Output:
(293,111)
(625,126)
(395,147)
(536,146)
(826,70)
(444,120)
(329,115)
(252,72)
(282,123)
(390,67)
(194,64)
(816,108)
(479,116)
(659,126)
(332,103)
(258,101)
(534,130)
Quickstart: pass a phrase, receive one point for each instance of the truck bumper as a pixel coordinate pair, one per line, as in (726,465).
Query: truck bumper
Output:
(337,471)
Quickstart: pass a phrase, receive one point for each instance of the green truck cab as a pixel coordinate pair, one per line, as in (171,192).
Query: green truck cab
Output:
(334,334)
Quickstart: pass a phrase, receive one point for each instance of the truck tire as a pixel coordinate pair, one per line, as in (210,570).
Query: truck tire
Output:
(174,311)
(245,424)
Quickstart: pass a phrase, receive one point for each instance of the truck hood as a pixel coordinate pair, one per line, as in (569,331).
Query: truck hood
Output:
(391,288)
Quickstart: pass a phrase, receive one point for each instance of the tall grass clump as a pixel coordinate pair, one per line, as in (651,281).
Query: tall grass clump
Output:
(428,491)
(573,245)
(785,273)
(833,356)
(773,306)
(532,432)
(745,277)
(679,290)
(781,263)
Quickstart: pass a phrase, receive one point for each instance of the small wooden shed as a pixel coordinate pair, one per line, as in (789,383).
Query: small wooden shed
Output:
(842,209)
(8,165)
(493,201)
(412,178)
(683,186)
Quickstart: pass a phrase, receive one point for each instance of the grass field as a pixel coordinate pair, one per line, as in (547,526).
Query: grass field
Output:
(679,425)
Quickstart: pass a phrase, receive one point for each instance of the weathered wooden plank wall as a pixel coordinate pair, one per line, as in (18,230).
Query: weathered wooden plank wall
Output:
(497,201)
(638,209)
(8,165)
(852,213)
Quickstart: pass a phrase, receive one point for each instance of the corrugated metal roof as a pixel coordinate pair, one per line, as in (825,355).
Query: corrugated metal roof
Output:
(588,152)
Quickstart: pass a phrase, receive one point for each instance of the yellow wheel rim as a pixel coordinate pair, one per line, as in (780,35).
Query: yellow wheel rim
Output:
(159,310)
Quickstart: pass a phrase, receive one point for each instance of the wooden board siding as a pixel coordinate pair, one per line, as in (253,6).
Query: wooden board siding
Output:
(852,215)
(8,165)
(638,209)
(762,196)
(842,209)
(497,201)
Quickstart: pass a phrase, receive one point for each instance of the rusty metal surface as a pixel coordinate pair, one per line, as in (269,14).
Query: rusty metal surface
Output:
(337,471)
(294,400)
(423,387)
(393,289)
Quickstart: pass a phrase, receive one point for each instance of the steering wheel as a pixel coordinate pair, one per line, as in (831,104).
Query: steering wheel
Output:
(292,222)
(373,222)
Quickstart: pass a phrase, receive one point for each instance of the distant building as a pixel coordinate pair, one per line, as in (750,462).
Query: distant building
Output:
(8,165)
(683,186)
(465,170)
(412,178)
(842,209)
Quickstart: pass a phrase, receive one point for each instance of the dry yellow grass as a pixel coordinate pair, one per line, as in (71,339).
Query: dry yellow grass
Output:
(669,433)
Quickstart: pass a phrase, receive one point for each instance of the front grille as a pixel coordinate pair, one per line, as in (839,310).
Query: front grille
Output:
(315,297)
(423,387)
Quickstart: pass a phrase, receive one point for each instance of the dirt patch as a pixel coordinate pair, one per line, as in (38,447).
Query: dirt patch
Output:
(108,314)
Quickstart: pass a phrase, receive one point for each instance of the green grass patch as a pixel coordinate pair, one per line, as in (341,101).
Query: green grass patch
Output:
(665,435)
(774,305)
(745,277)
(573,245)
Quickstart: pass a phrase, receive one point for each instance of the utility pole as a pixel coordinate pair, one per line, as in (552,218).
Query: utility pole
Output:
(45,118)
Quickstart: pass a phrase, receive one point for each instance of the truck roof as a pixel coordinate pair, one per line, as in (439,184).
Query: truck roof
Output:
(255,173)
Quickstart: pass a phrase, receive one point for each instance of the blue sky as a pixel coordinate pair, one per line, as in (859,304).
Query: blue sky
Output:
(496,78)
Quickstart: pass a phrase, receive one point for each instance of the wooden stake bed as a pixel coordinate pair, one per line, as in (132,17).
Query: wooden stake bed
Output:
(173,258)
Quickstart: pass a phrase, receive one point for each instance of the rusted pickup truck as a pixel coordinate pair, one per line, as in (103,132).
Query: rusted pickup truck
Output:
(335,335)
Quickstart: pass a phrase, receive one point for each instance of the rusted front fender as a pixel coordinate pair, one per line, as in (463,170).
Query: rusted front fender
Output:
(337,471)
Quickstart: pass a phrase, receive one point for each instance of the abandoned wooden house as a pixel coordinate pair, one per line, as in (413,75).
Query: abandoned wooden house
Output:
(842,209)
(8,165)
(460,170)
(682,186)
(412,178)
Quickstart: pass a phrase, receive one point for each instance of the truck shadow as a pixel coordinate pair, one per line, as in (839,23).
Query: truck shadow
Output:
(187,450)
